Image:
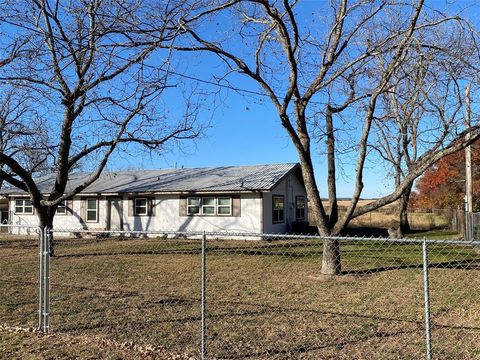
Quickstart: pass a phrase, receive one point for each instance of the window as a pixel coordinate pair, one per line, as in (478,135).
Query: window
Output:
(300,207)
(208,206)
(224,206)
(278,209)
(92,210)
(23,206)
(193,205)
(141,206)
(62,208)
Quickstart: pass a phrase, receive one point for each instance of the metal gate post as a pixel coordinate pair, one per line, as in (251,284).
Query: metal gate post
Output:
(44,281)
(40,278)
(426,294)
(202,340)
(46,275)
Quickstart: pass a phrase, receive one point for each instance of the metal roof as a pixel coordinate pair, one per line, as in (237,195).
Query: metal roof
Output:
(212,179)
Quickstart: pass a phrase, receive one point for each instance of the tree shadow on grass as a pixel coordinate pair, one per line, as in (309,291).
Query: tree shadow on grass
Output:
(470,264)
(466,264)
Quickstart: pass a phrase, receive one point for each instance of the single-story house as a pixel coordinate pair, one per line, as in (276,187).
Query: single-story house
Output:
(254,199)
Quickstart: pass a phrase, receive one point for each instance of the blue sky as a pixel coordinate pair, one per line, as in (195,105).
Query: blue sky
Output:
(246,132)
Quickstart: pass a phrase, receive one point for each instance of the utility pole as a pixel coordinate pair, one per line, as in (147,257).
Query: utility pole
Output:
(468,154)
(468,171)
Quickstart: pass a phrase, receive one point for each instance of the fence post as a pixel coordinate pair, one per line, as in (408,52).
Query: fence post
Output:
(426,294)
(202,340)
(46,281)
(40,278)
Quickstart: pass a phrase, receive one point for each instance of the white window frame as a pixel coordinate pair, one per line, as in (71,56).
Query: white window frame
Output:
(136,207)
(23,206)
(203,206)
(193,206)
(224,206)
(87,210)
(63,207)
(297,208)
(282,220)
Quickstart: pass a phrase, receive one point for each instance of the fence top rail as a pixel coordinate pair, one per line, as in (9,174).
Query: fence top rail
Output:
(20,226)
(124,232)
(269,236)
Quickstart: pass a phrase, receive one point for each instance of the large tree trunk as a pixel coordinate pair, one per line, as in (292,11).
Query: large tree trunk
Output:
(404,227)
(331,179)
(331,264)
(331,248)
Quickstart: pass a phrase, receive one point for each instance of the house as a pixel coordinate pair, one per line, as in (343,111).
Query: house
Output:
(254,199)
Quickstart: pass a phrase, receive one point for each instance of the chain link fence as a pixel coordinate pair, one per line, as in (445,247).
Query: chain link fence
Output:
(472,225)
(283,307)
(454,279)
(19,276)
(140,290)
(223,295)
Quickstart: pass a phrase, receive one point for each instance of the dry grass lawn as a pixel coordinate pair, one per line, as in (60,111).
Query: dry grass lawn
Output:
(140,298)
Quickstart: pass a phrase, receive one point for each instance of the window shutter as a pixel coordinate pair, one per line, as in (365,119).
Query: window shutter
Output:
(236,206)
(82,210)
(69,209)
(131,204)
(99,202)
(183,205)
(151,206)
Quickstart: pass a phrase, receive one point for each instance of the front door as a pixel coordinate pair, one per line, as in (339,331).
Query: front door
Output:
(115,210)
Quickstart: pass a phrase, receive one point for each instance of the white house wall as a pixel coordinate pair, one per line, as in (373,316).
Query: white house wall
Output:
(166,218)
(63,221)
(289,188)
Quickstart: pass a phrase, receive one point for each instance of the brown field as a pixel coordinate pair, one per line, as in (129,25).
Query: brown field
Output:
(386,217)
(363,202)
(140,298)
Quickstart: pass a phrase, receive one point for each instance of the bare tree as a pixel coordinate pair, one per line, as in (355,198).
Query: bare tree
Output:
(97,83)
(421,109)
(397,133)
(21,134)
(332,63)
